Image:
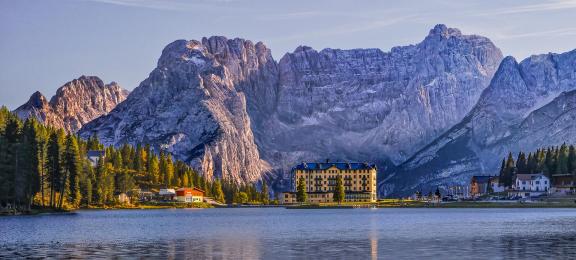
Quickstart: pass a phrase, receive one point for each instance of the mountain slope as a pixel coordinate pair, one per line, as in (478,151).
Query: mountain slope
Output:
(223,105)
(193,105)
(504,120)
(370,105)
(74,104)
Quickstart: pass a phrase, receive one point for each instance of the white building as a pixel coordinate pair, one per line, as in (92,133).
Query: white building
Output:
(530,185)
(496,185)
(167,194)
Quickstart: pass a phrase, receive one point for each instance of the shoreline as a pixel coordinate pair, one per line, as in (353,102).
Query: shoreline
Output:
(411,204)
(448,205)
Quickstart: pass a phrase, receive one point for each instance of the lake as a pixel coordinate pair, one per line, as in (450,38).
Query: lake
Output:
(278,233)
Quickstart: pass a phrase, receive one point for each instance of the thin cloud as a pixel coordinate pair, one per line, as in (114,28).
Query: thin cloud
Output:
(549,6)
(550,33)
(170,5)
(368,26)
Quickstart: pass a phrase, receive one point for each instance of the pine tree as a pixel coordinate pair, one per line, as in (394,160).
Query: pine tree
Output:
(124,182)
(218,193)
(154,169)
(571,160)
(265,193)
(562,163)
(301,195)
(510,171)
(87,183)
(31,169)
(521,164)
(54,166)
(169,172)
(10,161)
(101,173)
(339,193)
(72,169)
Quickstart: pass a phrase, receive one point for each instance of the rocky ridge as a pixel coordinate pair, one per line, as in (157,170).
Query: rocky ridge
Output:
(228,108)
(74,104)
(524,108)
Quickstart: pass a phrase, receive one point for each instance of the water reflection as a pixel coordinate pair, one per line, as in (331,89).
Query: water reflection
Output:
(506,247)
(286,234)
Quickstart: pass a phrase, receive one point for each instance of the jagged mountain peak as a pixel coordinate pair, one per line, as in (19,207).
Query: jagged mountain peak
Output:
(209,102)
(444,31)
(75,103)
(37,100)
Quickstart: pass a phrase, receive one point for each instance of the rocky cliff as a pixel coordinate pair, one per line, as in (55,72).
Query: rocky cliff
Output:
(522,109)
(193,105)
(224,105)
(75,103)
(370,105)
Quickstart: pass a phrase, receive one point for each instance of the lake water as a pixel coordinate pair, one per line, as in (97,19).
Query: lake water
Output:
(277,233)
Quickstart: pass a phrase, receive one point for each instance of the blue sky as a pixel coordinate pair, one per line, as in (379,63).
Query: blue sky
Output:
(45,43)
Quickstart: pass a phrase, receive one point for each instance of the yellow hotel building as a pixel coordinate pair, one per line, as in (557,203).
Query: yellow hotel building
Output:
(359,181)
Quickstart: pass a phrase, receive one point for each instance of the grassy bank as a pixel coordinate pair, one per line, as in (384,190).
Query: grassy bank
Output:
(397,203)
(146,205)
(35,211)
(153,205)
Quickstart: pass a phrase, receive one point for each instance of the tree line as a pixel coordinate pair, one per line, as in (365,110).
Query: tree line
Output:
(556,160)
(46,167)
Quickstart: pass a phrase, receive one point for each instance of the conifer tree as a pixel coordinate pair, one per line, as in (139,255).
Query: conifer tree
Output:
(218,193)
(169,172)
(265,193)
(72,168)
(11,162)
(510,171)
(31,169)
(301,195)
(571,167)
(521,164)
(339,193)
(54,166)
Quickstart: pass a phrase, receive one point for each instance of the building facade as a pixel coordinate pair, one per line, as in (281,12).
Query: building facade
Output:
(481,185)
(530,185)
(563,183)
(359,181)
(189,195)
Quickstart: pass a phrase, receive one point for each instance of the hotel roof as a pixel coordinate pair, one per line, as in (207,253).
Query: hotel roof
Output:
(339,165)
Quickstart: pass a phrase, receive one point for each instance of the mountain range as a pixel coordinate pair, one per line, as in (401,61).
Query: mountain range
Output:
(429,114)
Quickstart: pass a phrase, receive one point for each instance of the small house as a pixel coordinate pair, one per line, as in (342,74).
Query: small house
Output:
(530,185)
(496,185)
(481,185)
(287,197)
(563,183)
(189,195)
(167,194)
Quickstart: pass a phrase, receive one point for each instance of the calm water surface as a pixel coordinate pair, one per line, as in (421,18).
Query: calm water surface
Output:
(277,233)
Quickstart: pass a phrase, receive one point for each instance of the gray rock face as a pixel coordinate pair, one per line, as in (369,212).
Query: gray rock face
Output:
(510,116)
(75,103)
(193,105)
(211,102)
(370,105)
